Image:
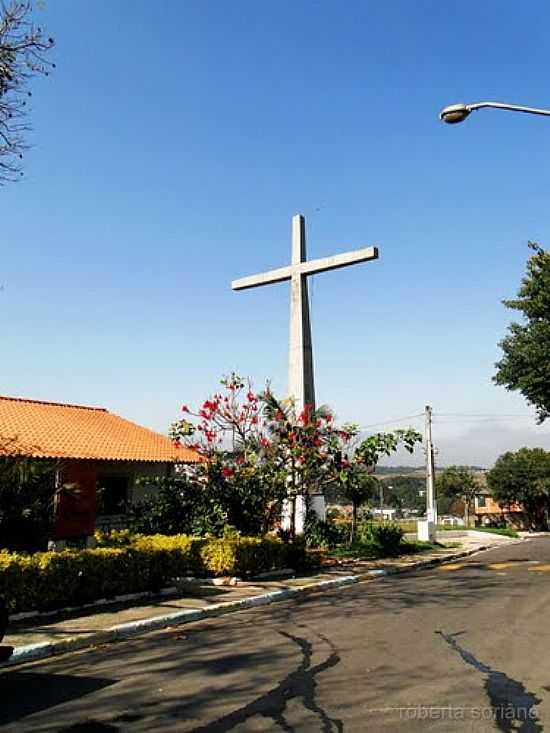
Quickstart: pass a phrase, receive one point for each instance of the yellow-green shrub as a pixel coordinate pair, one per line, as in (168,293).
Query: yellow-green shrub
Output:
(49,580)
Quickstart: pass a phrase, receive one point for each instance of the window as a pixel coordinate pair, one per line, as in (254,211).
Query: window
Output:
(481,503)
(112,494)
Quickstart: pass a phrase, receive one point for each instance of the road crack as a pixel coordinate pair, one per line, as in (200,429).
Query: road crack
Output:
(511,702)
(299,684)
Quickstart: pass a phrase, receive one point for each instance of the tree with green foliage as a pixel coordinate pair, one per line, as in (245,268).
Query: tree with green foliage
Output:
(405,492)
(525,365)
(523,478)
(359,487)
(375,446)
(28,494)
(357,466)
(458,483)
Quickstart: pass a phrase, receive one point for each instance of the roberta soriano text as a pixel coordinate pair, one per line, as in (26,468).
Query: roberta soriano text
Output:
(498,713)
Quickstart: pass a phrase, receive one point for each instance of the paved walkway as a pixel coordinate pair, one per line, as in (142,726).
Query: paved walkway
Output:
(59,628)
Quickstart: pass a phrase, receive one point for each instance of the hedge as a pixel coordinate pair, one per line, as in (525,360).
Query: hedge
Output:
(50,580)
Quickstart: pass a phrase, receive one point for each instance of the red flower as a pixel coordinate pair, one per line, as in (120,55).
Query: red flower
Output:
(184,408)
(264,442)
(227,472)
(279,415)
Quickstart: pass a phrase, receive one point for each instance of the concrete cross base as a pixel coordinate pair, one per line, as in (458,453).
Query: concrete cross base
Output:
(299,515)
(426,530)
(316,505)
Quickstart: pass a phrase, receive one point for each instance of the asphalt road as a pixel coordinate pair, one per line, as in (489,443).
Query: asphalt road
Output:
(460,647)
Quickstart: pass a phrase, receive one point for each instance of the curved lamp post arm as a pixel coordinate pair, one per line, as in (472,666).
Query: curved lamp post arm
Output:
(459,112)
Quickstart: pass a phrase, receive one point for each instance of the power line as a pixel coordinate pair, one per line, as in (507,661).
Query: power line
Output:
(480,414)
(391,422)
(455,417)
(481,420)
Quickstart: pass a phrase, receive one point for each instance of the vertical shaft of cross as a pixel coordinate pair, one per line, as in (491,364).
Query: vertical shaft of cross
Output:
(301,385)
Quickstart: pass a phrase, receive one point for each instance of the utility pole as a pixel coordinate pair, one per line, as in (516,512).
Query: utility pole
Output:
(431,508)
(426,528)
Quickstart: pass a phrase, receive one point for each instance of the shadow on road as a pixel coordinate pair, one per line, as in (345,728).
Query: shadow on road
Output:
(299,684)
(512,704)
(287,667)
(25,693)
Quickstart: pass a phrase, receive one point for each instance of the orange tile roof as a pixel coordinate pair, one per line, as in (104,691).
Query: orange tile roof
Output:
(56,430)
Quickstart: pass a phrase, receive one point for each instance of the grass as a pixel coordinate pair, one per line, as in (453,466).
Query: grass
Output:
(369,551)
(505,531)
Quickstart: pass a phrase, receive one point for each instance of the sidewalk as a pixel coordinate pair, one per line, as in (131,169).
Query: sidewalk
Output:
(44,636)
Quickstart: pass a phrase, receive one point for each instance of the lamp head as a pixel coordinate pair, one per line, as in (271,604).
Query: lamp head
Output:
(454,113)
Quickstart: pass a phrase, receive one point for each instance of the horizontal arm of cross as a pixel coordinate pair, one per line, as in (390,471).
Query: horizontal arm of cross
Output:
(306,268)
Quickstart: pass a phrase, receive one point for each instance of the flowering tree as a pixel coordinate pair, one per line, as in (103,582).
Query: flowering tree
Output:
(230,431)
(306,447)
(260,450)
(229,421)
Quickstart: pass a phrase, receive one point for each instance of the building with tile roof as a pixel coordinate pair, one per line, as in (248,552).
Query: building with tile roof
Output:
(102,453)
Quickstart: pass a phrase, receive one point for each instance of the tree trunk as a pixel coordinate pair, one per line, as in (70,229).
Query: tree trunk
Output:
(466,513)
(292,504)
(353,523)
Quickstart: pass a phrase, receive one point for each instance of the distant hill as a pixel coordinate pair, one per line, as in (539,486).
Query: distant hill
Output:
(406,470)
(398,470)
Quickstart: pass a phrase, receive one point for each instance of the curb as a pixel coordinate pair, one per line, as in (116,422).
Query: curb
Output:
(35,652)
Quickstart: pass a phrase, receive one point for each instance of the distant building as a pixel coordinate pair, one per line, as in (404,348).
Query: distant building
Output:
(387,513)
(489,513)
(100,453)
(451,520)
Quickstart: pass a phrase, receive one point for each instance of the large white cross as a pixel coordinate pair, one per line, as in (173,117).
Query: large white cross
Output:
(301,384)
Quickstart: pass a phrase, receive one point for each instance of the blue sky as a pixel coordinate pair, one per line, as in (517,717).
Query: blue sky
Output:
(172,146)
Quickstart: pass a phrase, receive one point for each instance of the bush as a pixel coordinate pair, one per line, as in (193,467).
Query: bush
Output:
(178,505)
(386,537)
(115,538)
(50,580)
(205,499)
(323,534)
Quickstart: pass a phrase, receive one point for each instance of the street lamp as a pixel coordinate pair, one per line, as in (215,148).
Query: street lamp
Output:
(455,113)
